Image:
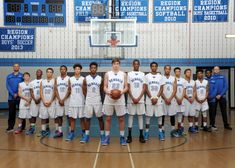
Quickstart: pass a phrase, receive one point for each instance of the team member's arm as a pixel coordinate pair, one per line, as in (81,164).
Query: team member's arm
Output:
(84,87)
(135,101)
(21,94)
(53,96)
(9,89)
(42,96)
(106,90)
(32,94)
(174,90)
(225,87)
(194,94)
(125,85)
(68,92)
(142,92)
(57,93)
(207,93)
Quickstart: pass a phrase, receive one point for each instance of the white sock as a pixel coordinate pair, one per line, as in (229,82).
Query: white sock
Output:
(190,124)
(122,133)
(20,125)
(44,127)
(147,120)
(141,122)
(107,133)
(102,132)
(130,121)
(204,124)
(160,129)
(56,126)
(32,124)
(172,127)
(180,117)
(60,128)
(196,123)
(87,132)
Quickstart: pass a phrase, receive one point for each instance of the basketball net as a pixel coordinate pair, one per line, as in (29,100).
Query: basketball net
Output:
(113,41)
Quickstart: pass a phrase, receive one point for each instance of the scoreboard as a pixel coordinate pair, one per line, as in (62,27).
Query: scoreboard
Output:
(34,12)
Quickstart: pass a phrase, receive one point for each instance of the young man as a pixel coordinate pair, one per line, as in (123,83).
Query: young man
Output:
(62,93)
(115,79)
(180,93)
(76,103)
(154,102)
(137,87)
(201,100)
(168,95)
(47,106)
(24,94)
(211,98)
(35,103)
(92,87)
(189,101)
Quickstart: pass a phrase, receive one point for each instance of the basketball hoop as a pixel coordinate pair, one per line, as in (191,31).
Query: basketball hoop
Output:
(113,42)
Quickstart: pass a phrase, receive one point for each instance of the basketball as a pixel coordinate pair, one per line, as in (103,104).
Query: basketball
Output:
(115,94)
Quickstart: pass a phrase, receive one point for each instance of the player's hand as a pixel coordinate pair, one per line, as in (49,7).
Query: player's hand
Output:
(15,96)
(179,101)
(37,101)
(154,101)
(218,97)
(191,100)
(61,102)
(135,101)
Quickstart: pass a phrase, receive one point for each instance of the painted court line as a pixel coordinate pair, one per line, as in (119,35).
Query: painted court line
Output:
(97,155)
(131,159)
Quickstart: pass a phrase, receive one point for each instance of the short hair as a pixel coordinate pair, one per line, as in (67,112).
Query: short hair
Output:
(116,60)
(210,70)
(135,60)
(63,66)
(177,68)
(93,63)
(50,69)
(153,63)
(77,65)
(187,70)
(199,70)
(167,66)
(26,73)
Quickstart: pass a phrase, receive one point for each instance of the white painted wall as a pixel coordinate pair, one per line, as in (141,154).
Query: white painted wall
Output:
(156,40)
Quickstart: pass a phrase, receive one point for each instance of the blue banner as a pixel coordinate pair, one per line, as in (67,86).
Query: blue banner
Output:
(82,10)
(17,39)
(210,10)
(129,9)
(170,11)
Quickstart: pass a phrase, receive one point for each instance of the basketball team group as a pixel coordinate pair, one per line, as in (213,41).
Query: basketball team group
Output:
(149,95)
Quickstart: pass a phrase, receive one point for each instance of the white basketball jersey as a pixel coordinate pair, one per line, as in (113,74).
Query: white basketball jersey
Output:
(154,82)
(115,81)
(48,89)
(169,85)
(201,89)
(189,88)
(25,93)
(35,86)
(181,85)
(62,86)
(136,80)
(77,96)
(93,89)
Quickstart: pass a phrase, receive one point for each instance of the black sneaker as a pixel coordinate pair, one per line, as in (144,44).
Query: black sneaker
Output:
(227,127)
(129,139)
(8,130)
(141,139)
(207,129)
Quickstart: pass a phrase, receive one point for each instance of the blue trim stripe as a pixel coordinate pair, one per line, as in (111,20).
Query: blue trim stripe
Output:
(31,62)
(3,105)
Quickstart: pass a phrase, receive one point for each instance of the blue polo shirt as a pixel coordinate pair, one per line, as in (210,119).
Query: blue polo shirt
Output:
(12,83)
(222,84)
(212,89)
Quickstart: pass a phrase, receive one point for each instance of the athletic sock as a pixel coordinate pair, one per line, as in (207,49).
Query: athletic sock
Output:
(122,133)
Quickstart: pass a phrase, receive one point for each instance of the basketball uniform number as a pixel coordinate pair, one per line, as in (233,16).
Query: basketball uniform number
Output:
(37,92)
(62,89)
(154,88)
(190,92)
(48,91)
(115,86)
(27,94)
(93,90)
(136,85)
(168,88)
(201,91)
(77,90)
(179,90)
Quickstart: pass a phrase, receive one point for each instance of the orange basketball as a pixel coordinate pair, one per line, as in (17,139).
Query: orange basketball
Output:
(115,94)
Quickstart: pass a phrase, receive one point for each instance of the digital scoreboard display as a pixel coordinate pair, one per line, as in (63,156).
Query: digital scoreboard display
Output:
(34,12)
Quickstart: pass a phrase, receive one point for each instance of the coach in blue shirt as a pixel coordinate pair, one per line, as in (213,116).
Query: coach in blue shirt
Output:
(12,82)
(222,87)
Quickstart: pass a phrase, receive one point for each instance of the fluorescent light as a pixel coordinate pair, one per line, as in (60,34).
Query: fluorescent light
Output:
(229,35)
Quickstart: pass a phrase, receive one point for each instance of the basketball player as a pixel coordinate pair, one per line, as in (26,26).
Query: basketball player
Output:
(47,106)
(35,103)
(154,102)
(115,79)
(24,94)
(137,88)
(201,100)
(180,93)
(76,103)
(168,95)
(93,85)
(189,101)
(62,99)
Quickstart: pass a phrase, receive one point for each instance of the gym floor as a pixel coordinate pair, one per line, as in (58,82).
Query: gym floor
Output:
(215,149)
